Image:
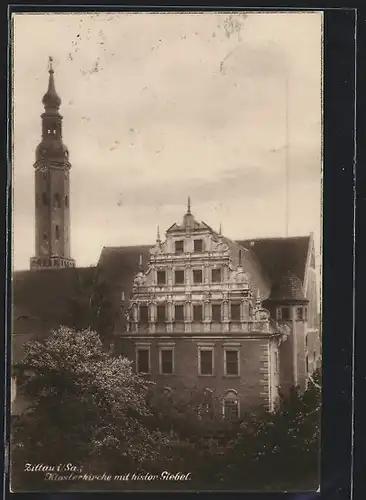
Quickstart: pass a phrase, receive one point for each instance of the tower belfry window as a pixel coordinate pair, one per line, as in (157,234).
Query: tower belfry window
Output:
(57,201)
(57,232)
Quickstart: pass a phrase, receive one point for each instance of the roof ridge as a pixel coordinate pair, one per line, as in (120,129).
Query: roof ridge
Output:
(277,237)
(118,247)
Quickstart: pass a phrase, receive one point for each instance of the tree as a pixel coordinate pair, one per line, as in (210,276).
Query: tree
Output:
(85,406)
(278,450)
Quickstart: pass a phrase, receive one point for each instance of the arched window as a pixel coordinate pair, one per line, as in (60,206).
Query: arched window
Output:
(57,232)
(44,198)
(66,201)
(57,202)
(45,238)
(231,405)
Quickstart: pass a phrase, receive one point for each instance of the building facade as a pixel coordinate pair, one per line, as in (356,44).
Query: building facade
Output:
(196,319)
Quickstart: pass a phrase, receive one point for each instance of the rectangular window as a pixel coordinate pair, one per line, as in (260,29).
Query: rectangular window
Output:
(179,277)
(144,315)
(179,246)
(235,312)
(197,276)
(216,275)
(231,362)
(205,360)
(57,232)
(197,312)
(166,361)
(216,313)
(198,245)
(299,313)
(285,313)
(161,277)
(231,409)
(161,313)
(143,360)
(179,313)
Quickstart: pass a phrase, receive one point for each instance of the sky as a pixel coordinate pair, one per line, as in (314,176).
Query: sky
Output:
(159,107)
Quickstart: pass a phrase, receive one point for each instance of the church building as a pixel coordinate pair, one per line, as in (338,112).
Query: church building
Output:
(236,319)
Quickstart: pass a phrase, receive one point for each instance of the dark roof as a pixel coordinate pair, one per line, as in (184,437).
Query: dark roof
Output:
(44,299)
(279,255)
(116,270)
(289,288)
(251,264)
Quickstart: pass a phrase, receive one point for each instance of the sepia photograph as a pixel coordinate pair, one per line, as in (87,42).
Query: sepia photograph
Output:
(166,251)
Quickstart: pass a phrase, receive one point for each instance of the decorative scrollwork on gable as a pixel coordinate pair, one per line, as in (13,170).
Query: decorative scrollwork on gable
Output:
(219,245)
(285,331)
(262,314)
(140,279)
(157,249)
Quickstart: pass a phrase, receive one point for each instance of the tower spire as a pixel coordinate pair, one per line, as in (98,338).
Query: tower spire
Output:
(51,100)
(189,205)
(52,182)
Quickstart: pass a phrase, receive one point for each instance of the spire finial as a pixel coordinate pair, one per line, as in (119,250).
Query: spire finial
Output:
(220,229)
(189,205)
(51,100)
(158,234)
(50,64)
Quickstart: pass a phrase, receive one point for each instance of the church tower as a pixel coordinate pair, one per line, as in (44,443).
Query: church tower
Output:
(52,188)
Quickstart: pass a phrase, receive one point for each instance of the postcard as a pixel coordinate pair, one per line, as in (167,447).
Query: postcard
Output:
(166,316)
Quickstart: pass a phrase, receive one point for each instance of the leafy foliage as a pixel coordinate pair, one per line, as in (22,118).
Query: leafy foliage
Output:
(86,406)
(279,450)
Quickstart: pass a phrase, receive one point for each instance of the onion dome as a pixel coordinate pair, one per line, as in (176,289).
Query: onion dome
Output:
(51,100)
(289,288)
